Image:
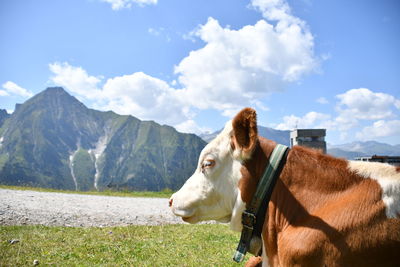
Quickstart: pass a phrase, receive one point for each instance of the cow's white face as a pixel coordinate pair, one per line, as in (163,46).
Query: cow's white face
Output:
(212,192)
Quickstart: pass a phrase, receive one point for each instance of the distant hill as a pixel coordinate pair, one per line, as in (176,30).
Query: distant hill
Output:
(345,154)
(348,151)
(361,149)
(53,140)
(281,137)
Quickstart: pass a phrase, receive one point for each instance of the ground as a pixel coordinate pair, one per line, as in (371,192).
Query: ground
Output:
(19,207)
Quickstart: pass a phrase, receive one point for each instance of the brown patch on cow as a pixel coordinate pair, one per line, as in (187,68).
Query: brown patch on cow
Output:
(321,213)
(245,131)
(397,168)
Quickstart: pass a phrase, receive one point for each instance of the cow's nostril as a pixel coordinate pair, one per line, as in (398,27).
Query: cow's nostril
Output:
(170,202)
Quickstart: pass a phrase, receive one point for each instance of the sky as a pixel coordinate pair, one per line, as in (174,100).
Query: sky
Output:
(332,64)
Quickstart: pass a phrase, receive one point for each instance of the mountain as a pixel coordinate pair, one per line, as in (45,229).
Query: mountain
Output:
(370,148)
(281,137)
(362,149)
(337,152)
(348,151)
(207,137)
(53,140)
(3,116)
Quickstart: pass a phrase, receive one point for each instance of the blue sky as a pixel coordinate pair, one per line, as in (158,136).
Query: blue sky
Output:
(193,64)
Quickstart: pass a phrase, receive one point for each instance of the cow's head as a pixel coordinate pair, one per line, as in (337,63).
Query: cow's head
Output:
(212,192)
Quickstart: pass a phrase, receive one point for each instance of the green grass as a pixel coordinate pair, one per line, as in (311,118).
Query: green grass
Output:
(168,245)
(163,194)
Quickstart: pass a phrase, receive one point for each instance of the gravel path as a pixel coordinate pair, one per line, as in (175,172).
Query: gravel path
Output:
(59,209)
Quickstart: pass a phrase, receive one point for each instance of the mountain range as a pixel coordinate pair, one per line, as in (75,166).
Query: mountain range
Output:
(363,149)
(53,140)
(348,151)
(279,136)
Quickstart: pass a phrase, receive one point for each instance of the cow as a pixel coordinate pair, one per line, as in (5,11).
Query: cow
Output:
(323,211)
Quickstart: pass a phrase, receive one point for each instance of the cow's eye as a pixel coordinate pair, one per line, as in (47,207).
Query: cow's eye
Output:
(208,163)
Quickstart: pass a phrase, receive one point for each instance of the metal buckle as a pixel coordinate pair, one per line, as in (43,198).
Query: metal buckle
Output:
(248,220)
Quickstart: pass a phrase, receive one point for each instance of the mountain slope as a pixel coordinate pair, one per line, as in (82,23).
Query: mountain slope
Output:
(370,147)
(3,116)
(53,140)
(281,137)
(361,149)
(337,152)
(349,151)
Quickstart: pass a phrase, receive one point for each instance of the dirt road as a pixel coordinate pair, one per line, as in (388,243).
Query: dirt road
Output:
(59,209)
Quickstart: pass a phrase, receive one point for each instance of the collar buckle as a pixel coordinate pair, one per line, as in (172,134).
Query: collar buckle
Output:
(248,220)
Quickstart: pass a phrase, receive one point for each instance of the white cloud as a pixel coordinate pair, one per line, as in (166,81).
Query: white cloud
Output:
(120,4)
(14,89)
(380,128)
(154,32)
(344,123)
(76,80)
(190,126)
(397,103)
(237,67)
(146,97)
(275,10)
(160,32)
(3,93)
(322,100)
(354,108)
(191,36)
(137,94)
(310,120)
(234,68)
(364,104)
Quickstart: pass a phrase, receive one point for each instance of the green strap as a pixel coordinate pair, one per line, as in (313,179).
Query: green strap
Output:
(249,215)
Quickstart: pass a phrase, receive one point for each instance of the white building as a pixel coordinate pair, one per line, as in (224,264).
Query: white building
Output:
(313,138)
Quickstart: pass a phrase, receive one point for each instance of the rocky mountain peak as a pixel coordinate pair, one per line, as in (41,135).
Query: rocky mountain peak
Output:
(54,140)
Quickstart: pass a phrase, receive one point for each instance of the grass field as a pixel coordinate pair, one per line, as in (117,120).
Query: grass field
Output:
(168,245)
(162,194)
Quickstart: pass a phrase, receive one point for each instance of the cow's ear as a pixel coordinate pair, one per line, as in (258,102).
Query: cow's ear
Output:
(245,134)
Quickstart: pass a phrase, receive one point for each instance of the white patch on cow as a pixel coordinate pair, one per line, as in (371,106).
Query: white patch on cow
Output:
(212,193)
(236,220)
(389,180)
(264,254)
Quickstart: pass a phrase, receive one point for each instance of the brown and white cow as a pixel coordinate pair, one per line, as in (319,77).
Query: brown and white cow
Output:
(323,211)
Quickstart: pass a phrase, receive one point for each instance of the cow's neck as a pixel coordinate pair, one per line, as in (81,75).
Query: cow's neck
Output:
(254,168)
(258,179)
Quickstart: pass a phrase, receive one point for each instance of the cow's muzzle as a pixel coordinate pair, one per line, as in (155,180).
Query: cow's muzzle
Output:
(185,213)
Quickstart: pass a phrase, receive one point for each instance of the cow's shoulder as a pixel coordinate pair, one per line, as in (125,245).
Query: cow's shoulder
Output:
(307,246)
